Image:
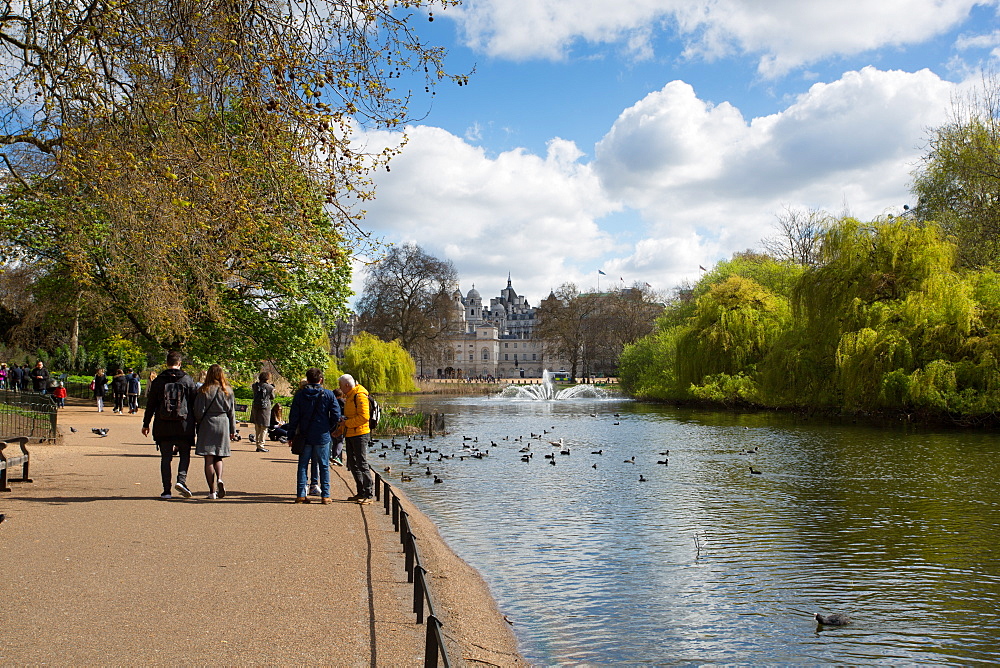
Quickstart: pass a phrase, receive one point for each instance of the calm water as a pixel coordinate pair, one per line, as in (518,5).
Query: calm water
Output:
(705,562)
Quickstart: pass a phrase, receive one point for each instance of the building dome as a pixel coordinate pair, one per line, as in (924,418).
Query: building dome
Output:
(473,294)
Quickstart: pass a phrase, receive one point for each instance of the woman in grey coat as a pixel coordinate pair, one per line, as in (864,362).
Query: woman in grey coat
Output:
(216,419)
(260,412)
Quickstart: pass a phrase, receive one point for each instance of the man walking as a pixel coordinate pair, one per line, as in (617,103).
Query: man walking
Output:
(39,377)
(314,414)
(14,378)
(356,414)
(170,400)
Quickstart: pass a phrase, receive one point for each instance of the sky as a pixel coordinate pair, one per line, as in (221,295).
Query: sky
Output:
(648,138)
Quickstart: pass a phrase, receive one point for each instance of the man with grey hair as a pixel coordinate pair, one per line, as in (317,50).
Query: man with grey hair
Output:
(358,434)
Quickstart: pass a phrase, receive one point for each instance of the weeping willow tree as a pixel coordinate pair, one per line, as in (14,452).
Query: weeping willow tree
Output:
(733,328)
(380,366)
(647,368)
(883,321)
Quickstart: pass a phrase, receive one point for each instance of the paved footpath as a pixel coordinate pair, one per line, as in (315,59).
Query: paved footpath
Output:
(99,570)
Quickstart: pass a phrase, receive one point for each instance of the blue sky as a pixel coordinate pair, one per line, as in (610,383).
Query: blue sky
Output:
(644,138)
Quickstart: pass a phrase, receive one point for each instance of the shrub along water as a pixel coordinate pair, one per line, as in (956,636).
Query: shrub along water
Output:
(884,321)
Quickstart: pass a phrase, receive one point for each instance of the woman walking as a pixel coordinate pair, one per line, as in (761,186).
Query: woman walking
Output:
(119,386)
(260,413)
(214,413)
(134,389)
(100,387)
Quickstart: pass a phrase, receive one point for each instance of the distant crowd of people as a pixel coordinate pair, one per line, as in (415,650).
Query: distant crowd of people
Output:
(16,378)
(125,387)
(182,414)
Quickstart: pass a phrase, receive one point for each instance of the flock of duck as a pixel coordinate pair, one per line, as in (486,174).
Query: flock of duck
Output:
(418,451)
(419,454)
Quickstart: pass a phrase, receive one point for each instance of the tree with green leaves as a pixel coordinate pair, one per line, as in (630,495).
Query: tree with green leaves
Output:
(217,136)
(958,184)
(379,365)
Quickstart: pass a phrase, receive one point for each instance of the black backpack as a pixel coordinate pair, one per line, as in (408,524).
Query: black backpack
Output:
(374,413)
(174,405)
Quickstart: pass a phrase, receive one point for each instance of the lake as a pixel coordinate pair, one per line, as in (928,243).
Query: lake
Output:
(704,561)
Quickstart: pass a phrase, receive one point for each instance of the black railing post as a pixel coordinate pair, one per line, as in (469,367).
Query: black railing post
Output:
(409,548)
(419,587)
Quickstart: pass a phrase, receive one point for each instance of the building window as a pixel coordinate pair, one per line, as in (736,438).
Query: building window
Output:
(505,345)
(472,357)
(486,354)
(506,357)
(534,357)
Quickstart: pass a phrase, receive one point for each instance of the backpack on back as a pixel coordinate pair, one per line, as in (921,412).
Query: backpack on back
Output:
(175,402)
(374,413)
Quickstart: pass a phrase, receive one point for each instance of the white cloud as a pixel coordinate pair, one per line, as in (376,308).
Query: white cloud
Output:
(675,183)
(704,176)
(533,216)
(989,42)
(782,34)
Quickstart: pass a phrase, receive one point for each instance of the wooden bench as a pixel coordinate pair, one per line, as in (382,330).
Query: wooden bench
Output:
(7,463)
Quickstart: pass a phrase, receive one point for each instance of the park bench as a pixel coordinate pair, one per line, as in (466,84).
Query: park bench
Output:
(6,463)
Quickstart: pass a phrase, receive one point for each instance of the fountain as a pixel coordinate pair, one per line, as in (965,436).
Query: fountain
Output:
(546,391)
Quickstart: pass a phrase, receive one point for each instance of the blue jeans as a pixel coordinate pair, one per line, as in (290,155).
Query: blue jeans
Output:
(321,454)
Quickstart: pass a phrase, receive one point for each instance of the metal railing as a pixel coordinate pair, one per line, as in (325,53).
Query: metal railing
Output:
(423,606)
(27,414)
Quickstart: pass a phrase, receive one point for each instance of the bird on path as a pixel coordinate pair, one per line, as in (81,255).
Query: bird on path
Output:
(73,429)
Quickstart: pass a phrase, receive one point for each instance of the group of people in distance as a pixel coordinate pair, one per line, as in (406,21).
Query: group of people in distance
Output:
(184,416)
(125,386)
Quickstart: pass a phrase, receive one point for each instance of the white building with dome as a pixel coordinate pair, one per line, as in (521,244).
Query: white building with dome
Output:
(495,340)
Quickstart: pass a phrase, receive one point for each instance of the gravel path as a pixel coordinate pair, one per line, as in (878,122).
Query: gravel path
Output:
(99,570)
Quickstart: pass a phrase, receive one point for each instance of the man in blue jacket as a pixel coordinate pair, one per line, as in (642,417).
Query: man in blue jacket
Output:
(315,413)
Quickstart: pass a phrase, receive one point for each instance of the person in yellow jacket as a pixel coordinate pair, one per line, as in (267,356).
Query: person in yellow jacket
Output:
(357,436)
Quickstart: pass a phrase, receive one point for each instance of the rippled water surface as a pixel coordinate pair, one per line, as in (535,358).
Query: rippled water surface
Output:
(706,562)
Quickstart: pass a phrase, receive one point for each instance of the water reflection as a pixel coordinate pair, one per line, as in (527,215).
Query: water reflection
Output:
(706,562)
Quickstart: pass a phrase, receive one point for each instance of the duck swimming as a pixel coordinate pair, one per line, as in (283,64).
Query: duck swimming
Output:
(834,619)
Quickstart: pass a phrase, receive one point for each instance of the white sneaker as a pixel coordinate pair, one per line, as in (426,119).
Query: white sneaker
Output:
(211,495)
(315,491)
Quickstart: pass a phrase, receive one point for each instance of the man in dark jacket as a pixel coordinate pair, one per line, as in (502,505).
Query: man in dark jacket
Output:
(14,378)
(170,394)
(39,377)
(315,413)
